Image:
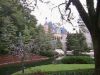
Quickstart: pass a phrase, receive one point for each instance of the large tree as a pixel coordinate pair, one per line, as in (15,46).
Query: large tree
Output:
(91,18)
(92,21)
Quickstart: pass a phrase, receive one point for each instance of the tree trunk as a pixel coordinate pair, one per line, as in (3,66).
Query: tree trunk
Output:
(92,21)
(96,44)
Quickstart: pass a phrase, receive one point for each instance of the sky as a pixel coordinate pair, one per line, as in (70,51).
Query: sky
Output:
(44,10)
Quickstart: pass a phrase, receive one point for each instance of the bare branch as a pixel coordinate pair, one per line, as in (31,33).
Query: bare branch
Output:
(67,5)
(41,1)
(69,13)
(35,3)
(65,11)
(44,2)
(67,8)
(57,6)
(60,10)
(68,20)
(53,8)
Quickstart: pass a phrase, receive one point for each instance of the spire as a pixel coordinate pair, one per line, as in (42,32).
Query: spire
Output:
(45,18)
(45,21)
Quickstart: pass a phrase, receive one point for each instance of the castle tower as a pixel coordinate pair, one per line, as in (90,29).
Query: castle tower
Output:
(46,28)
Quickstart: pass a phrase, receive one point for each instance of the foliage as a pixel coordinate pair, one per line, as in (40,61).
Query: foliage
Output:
(76,42)
(41,41)
(14,19)
(7,28)
(39,73)
(59,45)
(47,53)
(77,60)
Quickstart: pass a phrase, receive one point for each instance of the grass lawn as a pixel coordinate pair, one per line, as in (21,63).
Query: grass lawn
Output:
(57,67)
(12,68)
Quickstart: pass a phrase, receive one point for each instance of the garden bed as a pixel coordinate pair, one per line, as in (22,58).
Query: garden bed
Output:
(10,59)
(9,68)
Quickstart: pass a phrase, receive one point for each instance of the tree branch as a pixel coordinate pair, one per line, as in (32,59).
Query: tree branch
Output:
(69,13)
(67,8)
(67,5)
(60,10)
(57,6)
(83,14)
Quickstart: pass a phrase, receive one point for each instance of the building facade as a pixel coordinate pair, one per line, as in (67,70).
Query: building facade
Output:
(58,33)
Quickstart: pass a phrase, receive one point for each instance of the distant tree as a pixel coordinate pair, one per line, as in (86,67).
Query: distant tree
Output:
(42,41)
(77,43)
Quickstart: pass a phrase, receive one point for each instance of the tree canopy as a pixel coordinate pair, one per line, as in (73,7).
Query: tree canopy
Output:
(77,43)
(14,19)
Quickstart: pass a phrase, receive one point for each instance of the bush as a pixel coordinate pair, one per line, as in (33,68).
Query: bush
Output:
(47,53)
(73,72)
(77,60)
(39,73)
(2,52)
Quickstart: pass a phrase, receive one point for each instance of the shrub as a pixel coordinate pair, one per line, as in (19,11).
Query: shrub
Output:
(3,52)
(77,60)
(47,53)
(39,73)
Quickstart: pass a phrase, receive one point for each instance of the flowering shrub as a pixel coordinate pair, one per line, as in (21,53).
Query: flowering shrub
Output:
(10,59)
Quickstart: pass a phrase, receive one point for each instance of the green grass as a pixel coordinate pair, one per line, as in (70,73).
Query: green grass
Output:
(56,67)
(12,68)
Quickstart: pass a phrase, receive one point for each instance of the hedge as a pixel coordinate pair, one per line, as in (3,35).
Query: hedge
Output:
(77,60)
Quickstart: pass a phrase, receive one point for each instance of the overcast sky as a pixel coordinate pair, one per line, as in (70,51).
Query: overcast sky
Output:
(44,10)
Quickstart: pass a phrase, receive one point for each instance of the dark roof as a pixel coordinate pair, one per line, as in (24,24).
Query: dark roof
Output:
(63,30)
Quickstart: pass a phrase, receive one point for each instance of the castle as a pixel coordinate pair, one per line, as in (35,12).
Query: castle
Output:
(58,32)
